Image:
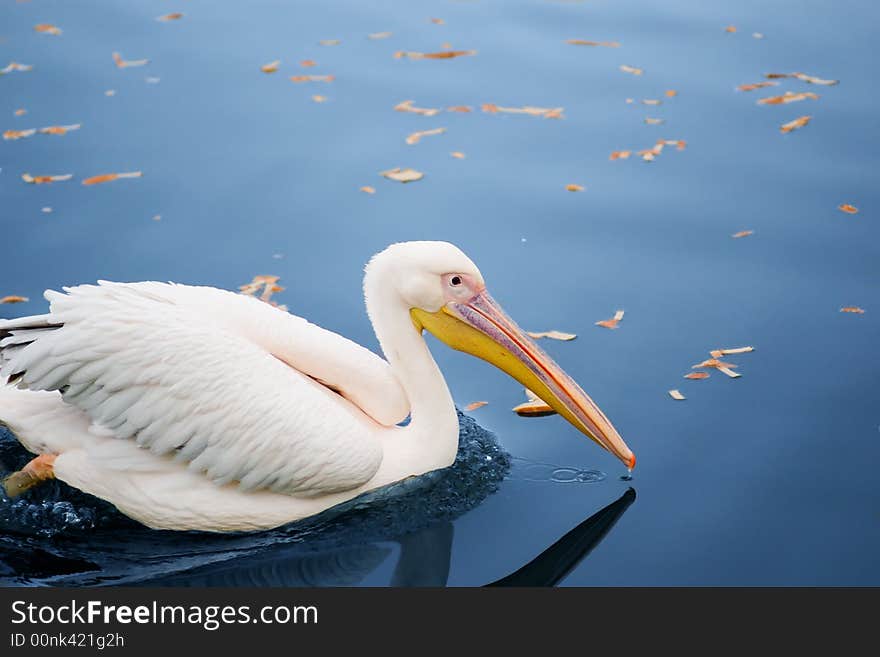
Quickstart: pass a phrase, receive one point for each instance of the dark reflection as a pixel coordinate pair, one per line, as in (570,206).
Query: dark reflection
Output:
(58,536)
(557,561)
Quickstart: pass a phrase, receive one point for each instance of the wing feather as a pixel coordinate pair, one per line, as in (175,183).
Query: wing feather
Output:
(223,382)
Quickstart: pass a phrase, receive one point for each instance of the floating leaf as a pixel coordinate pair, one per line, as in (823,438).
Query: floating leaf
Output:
(402,175)
(416,137)
(312,78)
(787,97)
(108,177)
(170,17)
(730,29)
(605,44)
(15,66)
(271,67)
(59,129)
(445,54)
(613,322)
(619,155)
(329,42)
(671,93)
(126,63)
(110,92)
(853,309)
(631,69)
(574,188)
(729,372)
(799,122)
(46,28)
(651,101)
(742,233)
(757,35)
(846,207)
(368,190)
(269,286)
(12,135)
(319,98)
(545,112)
(811,79)
(553,335)
(757,85)
(735,350)
(20,112)
(458,155)
(40,180)
(308,63)
(696,376)
(407,106)
(475,405)
(437,21)
(462,109)
(14,298)
(379,35)
(651,121)
(675,394)
(534,407)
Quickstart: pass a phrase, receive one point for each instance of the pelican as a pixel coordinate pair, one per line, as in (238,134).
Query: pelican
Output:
(194,408)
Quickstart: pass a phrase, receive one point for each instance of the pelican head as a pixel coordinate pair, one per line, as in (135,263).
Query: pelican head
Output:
(445,294)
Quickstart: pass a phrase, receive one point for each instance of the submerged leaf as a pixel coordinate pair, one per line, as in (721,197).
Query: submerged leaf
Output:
(757,85)
(366,189)
(170,17)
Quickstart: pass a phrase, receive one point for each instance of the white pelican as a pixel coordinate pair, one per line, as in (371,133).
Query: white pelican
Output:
(194,408)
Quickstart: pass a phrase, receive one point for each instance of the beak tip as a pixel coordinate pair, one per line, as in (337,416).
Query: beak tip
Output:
(631,463)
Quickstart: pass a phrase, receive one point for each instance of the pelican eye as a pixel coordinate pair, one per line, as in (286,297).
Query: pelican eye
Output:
(455,280)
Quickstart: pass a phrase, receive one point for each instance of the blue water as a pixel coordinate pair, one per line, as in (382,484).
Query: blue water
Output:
(766,479)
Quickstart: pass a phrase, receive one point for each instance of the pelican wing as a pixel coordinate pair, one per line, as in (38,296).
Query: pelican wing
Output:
(239,390)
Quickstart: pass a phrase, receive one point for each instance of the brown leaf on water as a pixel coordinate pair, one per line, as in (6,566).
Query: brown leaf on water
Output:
(787,97)
(15,66)
(574,188)
(730,29)
(402,175)
(613,322)
(676,394)
(671,93)
(308,63)
(108,177)
(462,109)
(742,233)
(170,17)
(799,122)
(445,54)
(620,155)
(545,112)
(312,78)
(534,407)
(319,99)
(379,35)
(20,112)
(475,405)
(716,353)
(651,121)
(126,63)
(416,137)
(712,362)
(757,85)
(553,335)
(853,309)
(14,298)
(437,21)
(697,376)
(46,28)
(407,106)
(271,67)
(811,79)
(12,135)
(631,69)
(846,207)
(59,129)
(40,180)
(329,42)
(366,189)
(605,44)
(458,155)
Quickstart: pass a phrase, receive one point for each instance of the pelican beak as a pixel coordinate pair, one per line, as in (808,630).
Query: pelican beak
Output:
(481,328)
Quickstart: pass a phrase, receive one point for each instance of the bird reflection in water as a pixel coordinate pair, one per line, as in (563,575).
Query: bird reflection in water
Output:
(66,538)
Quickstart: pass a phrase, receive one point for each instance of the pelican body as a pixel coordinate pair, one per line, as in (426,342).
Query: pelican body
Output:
(194,408)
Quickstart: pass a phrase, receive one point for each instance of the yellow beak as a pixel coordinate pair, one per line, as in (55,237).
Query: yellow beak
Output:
(481,328)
